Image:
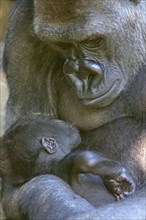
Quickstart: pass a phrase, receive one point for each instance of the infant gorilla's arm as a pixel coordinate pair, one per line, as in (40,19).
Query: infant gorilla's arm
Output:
(116,178)
(29,151)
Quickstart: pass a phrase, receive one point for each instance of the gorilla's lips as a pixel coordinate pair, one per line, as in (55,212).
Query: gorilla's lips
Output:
(105,99)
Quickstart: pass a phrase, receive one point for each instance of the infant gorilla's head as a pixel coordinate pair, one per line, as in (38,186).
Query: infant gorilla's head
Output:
(30,150)
(56,137)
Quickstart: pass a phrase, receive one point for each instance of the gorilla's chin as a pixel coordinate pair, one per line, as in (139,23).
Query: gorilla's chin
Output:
(106,99)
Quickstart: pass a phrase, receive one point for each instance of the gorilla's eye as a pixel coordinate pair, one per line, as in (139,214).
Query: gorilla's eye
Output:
(93,43)
(60,47)
(49,144)
(63,46)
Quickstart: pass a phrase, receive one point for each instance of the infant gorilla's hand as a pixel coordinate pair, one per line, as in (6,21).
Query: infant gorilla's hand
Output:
(121,186)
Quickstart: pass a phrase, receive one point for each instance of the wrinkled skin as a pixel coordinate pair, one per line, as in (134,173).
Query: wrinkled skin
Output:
(82,62)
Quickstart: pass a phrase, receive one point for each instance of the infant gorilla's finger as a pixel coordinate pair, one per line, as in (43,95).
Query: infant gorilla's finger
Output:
(121,186)
(119,197)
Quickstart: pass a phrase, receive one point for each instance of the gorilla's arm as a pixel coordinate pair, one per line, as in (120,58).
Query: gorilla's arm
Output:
(114,175)
(27,66)
(132,208)
(60,202)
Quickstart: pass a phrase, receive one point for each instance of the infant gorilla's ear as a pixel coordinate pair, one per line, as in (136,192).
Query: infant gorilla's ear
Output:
(49,144)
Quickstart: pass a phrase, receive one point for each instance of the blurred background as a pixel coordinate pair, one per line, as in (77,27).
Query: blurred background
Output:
(5,7)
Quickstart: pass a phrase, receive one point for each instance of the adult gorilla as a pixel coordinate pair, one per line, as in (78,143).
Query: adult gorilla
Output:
(83,62)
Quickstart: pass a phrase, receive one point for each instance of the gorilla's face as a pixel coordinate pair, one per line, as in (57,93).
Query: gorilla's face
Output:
(96,80)
(102,42)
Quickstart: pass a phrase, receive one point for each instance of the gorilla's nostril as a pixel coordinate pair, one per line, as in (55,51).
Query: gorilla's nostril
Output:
(83,67)
(93,67)
(70,66)
(83,74)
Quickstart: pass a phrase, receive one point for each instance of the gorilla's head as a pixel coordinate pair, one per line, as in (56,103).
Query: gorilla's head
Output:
(103,44)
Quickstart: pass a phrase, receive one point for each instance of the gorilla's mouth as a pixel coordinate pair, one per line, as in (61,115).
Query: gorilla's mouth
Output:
(105,99)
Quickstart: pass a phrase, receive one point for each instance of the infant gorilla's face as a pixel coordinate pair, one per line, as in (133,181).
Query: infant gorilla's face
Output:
(55,137)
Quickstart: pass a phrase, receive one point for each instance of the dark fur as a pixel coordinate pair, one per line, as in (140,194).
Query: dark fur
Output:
(118,130)
(25,155)
(45,148)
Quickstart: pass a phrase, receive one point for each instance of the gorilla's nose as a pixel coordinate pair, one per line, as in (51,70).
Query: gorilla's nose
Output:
(83,74)
(90,68)
(84,68)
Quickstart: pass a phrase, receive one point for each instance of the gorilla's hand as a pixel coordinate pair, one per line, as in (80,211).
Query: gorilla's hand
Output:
(120,186)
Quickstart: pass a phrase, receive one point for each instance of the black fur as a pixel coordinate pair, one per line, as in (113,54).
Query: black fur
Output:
(83,63)
(45,148)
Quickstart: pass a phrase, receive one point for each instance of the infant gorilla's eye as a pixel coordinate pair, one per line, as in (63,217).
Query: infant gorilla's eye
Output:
(49,144)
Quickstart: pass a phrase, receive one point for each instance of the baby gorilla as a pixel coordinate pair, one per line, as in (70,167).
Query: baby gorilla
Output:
(46,148)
